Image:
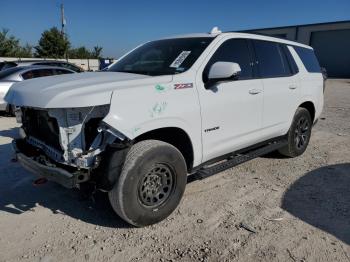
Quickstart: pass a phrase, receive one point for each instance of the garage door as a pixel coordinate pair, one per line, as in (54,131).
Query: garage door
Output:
(332,50)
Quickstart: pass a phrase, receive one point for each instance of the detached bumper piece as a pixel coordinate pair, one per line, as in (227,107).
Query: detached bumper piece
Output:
(53,173)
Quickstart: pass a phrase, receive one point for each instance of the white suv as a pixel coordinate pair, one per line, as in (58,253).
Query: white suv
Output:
(195,104)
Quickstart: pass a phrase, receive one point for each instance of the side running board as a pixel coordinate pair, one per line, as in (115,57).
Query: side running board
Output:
(235,159)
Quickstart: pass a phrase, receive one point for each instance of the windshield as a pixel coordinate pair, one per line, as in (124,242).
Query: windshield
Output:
(163,57)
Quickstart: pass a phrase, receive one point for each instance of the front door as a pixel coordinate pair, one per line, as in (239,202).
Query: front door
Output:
(231,110)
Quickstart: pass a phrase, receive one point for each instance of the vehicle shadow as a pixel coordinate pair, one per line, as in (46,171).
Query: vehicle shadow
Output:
(321,198)
(274,155)
(4,114)
(18,194)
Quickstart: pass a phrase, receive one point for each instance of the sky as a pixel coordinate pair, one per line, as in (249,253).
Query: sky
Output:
(119,26)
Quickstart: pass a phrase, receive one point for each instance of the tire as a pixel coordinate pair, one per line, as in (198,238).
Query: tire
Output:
(299,134)
(151,183)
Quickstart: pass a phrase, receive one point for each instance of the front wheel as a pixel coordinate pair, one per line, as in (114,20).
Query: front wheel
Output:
(151,183)
(299,134)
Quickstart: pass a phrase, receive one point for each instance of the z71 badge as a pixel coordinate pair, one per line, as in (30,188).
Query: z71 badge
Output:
(183,86)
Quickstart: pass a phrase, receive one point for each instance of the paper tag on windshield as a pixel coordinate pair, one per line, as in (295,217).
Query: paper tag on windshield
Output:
(179,60)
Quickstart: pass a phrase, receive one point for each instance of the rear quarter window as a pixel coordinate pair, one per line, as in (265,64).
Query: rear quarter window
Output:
(292,65)
(309,59)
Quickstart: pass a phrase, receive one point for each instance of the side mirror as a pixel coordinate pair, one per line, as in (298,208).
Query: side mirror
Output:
(223,71)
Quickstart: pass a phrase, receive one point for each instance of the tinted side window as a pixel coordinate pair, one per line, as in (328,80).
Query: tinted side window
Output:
(270,59)
(293,66)
(309,59)
(234,50)
(43,72)
(286,65)
(28,75)
(69,66)
(72,67)
(62,72)
(37,73)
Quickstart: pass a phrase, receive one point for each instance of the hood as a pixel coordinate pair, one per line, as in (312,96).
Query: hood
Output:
(75,90)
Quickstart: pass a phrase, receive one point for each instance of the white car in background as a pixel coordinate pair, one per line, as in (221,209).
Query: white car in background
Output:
(195,104)
(20,73)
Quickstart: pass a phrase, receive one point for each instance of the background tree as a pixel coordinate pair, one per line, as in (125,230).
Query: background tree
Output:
(96,52)
(10,46)
(80,52)
(25,51)
(52,44)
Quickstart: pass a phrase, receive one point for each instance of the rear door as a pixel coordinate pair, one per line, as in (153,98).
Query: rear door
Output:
(281,87)
(231,110)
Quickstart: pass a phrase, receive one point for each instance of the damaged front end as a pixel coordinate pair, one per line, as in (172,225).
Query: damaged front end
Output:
(64,145)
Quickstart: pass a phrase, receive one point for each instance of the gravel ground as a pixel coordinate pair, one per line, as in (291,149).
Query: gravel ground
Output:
(268,209)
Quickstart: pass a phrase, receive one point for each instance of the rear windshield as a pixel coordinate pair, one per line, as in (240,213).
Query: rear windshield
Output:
(309,59)
(163,57)
(7,72)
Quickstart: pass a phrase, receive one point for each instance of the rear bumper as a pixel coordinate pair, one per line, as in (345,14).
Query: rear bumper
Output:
(55,174)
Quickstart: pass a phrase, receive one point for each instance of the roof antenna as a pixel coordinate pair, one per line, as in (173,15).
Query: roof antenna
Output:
(215,31)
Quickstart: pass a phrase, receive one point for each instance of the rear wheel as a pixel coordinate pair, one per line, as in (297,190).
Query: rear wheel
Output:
(151,183)
(299,134)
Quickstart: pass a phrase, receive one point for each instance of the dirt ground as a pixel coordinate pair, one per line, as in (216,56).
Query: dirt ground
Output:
(292,209)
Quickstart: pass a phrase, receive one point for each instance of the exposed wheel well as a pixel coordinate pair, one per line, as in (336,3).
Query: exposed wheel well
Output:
(174,136)
(310,107)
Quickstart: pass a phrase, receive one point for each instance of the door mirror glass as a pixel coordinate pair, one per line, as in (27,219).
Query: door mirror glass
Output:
(223,71)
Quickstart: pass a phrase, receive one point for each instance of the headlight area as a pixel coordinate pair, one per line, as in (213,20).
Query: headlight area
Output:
(65,141)
(105,136)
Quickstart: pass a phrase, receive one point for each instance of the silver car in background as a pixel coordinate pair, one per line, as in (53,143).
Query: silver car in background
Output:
(9,64)
(20,73)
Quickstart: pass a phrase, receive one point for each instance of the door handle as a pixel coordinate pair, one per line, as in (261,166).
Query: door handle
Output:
(254,91)
(292,87)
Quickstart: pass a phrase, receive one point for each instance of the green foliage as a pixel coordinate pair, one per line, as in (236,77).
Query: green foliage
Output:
(80,52)
(52,44)
(96,52)
(84,53)
(25,51)
(10,46)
